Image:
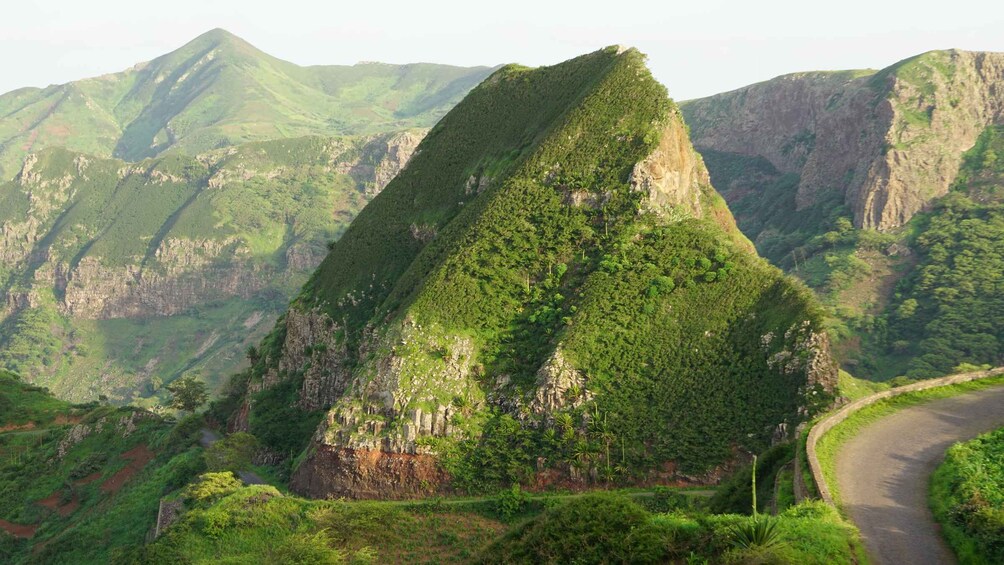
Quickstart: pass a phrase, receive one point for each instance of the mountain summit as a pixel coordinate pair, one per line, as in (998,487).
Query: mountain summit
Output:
(219,90)
(550,291)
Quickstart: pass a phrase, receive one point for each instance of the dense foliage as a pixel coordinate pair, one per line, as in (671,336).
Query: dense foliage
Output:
(946,312)
(967,496)
(480,241)
(85,481)
(599,528)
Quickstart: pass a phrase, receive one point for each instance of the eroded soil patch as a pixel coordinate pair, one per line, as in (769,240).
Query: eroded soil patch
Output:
(138,457)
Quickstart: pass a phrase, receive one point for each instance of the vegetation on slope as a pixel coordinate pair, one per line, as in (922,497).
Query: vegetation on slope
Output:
(967,496)
(140,273)
(79,484)
(240,524)
(477,242)
(218,90)
(916,302)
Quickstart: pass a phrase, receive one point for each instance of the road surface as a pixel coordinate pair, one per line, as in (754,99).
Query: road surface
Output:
(884,473)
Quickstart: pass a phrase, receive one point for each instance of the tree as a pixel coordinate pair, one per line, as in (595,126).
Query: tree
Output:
(187,393)
(232,453)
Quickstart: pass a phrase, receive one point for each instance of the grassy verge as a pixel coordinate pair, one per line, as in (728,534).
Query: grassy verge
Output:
(967,498)
(259,524)
(829,445)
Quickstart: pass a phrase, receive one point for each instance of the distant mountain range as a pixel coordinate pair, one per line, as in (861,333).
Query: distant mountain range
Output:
(218,90)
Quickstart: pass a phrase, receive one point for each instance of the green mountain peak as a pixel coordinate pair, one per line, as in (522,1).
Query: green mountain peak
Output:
(551,254)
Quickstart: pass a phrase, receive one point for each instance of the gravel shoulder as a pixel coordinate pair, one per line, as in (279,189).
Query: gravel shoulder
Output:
(884,473)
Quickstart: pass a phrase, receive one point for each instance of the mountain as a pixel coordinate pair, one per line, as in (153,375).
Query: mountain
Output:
(877,188)
(119,277)
(218,90)
(550,293)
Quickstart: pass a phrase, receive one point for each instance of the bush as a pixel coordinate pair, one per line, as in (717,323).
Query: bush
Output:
(212,486)
(967,496)
(596,528)
(511,502)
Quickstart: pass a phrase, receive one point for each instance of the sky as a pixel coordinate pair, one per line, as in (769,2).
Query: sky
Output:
(696,48)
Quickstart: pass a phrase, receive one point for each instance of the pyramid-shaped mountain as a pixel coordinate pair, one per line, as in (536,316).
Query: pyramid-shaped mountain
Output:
(551,292)
(218,90)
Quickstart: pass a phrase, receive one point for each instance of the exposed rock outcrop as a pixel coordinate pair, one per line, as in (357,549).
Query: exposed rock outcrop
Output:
(888,142)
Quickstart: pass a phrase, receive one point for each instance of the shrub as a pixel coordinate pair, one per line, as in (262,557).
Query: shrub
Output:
(596,528)
(212,486)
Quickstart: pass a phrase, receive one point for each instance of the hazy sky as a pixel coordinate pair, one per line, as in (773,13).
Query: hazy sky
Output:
(696,48)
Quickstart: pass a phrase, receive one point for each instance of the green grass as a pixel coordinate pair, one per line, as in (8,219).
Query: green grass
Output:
(254,524)
(234,213)
(217,90)
(853,388)
(22,403)
(967,497)
(69,462)
(830,444)
(515,276)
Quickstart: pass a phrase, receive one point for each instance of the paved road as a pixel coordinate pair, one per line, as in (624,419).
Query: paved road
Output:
(884,473)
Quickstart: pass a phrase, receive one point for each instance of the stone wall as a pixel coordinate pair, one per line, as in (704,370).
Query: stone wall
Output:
(831,421)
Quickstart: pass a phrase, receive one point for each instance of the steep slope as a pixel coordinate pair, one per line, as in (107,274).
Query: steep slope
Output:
(886,143)
(531,300)
(79,483)
(119,277)
(218,90)
(841,178)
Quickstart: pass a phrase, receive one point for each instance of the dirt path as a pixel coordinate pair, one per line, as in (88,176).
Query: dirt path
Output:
(884,473)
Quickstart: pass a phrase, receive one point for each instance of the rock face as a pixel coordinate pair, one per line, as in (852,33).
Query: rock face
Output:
(337,472)
(98,240)
(412,336)
(888,141)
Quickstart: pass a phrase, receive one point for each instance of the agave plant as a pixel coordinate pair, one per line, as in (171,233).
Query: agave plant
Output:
(757,531)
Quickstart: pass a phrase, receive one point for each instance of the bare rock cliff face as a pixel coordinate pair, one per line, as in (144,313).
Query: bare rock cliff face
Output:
(889,141)
(182,272)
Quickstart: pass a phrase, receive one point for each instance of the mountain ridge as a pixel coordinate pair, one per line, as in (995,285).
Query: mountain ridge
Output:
(499,282)
(220,90)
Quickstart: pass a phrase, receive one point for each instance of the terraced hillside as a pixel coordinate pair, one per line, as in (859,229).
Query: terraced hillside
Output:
(551,293)
(81,483)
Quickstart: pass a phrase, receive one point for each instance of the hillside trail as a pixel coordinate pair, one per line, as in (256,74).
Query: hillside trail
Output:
(209,437)
(884,473)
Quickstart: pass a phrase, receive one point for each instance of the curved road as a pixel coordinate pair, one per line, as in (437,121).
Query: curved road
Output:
(884,473)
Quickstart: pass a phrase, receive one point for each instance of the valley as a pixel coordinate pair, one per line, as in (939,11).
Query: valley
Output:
(261,312)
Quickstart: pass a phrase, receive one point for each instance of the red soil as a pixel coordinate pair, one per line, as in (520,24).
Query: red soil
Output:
(16,427)
(60,420)
(17,530)
(88,479)
(138,457)
(63,419)
(52,503)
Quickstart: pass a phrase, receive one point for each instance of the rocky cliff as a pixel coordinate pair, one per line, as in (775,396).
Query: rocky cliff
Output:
(95,240)
(886,142)
(516,298)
